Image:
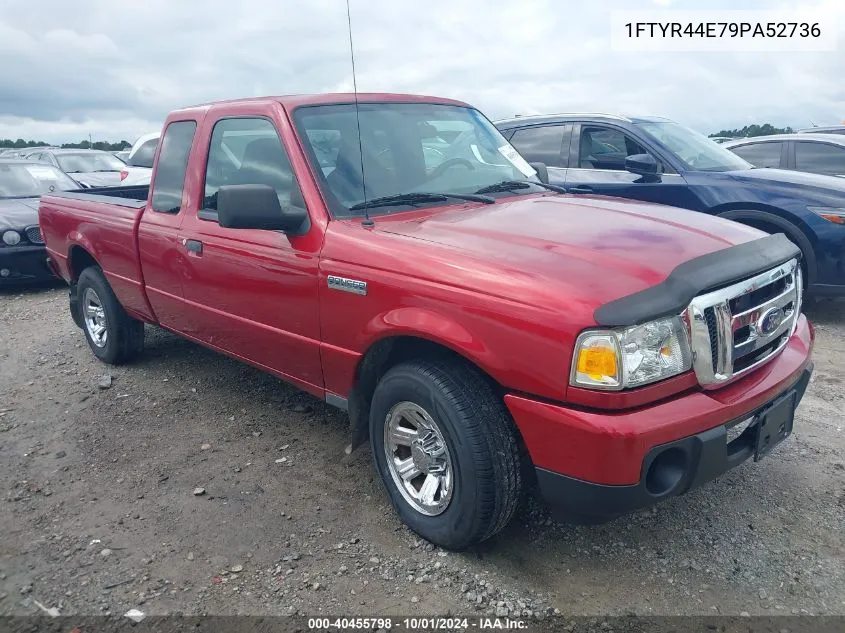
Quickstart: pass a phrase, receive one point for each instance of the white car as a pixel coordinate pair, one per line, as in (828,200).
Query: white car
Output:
(139,163)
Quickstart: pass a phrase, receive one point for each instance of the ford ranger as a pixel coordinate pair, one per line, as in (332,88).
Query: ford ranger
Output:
(395,256)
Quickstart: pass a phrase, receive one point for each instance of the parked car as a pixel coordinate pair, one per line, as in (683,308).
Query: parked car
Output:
(814,153)
(721,139)
(139,163)
(826,129)
(89,167)
(466,315)
(23,257)
(658,160)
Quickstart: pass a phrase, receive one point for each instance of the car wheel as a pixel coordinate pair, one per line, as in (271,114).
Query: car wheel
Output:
(447,452)
(113,336)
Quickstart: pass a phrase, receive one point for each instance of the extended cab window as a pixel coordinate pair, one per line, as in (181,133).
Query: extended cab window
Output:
(760,154)
(540,144)
(820,158)
(606,148)
(172,163)
(247,151)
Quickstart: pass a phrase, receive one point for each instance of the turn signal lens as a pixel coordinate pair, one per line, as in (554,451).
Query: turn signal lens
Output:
(597,361)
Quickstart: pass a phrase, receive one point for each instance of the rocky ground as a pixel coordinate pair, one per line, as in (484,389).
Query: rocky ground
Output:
(190,483)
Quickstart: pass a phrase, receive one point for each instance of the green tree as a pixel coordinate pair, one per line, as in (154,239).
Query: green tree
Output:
(754,130)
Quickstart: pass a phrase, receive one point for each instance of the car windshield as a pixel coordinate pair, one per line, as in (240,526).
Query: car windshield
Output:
(406,148)
(30,180)
(85,162)
(696,151)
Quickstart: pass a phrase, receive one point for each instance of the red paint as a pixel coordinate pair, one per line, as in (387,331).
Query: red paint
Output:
(509,286)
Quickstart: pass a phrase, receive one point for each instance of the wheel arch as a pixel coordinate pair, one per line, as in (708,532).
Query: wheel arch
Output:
(388,351)
(79,258)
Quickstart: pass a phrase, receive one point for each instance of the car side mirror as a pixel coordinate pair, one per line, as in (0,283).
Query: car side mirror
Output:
(542,172)
(257,207)
(643,165)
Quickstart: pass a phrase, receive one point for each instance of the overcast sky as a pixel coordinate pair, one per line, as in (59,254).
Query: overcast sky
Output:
(115,68)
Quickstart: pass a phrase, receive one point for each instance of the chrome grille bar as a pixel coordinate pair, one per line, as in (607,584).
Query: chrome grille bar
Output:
(723,343)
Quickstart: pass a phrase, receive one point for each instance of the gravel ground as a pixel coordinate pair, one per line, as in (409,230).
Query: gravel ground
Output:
(190,483)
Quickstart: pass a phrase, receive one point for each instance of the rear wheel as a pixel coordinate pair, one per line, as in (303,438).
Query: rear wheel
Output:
(113,336)
(446,449)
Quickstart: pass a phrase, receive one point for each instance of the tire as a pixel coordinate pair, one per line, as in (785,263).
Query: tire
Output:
(481,451)
(122,337)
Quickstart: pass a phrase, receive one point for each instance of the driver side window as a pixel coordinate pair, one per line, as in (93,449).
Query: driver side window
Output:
(247,151)
(606,148)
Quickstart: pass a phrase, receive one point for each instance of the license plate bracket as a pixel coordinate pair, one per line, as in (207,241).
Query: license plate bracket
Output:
(774,425)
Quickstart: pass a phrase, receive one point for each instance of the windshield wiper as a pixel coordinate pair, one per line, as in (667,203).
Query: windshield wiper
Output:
(514,185)
(99,171)
(419,197)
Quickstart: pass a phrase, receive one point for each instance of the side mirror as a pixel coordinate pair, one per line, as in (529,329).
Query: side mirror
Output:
(643,165)
(257,207)
(542,172)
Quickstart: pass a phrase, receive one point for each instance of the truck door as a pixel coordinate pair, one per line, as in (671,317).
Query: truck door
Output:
(252,293)
(163,260)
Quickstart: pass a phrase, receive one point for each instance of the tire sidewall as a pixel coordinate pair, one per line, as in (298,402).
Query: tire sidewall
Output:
(460,523)
(93,278)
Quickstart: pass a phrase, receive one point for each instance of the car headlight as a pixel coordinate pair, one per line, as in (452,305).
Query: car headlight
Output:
(631,357)
(11,238)
(831,214)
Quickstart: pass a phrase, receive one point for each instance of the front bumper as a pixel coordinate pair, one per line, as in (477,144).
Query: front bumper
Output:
(22,264)
(595,462)
(668,470)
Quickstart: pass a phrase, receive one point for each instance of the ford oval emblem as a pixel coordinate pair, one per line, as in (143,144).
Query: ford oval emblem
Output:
(770,320)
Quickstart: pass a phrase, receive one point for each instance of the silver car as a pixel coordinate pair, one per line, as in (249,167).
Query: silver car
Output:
(89,167)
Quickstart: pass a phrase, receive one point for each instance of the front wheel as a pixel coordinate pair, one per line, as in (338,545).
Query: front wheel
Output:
(113,336)
(446,449)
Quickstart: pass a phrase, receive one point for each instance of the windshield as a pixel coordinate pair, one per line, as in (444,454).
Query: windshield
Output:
(695,150)
(30,180)
(407,148)
(87,162)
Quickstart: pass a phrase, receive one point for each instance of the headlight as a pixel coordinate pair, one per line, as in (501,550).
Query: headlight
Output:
(831,214)
(11,238)
(631,357)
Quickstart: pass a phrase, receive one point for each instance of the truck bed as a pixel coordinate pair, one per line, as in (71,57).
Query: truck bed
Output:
(99,223)
(134,196)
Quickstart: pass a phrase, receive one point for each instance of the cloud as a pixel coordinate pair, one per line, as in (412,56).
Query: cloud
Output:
(114,70)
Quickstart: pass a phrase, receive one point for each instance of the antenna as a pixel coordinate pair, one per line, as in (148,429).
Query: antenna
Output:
(367,220)
(813,124)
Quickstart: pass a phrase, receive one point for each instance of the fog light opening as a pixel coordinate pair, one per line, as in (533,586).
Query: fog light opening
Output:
(5,272)
(666,471)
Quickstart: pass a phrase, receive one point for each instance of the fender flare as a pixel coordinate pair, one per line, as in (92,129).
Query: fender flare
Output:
(790,229)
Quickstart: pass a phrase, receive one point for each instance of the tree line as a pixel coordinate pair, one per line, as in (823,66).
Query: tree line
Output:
(754,130)
(104,145)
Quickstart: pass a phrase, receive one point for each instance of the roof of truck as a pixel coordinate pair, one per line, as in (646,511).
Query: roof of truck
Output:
(292,101)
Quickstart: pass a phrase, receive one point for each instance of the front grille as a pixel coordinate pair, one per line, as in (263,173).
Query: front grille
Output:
(738,328)
(33,234)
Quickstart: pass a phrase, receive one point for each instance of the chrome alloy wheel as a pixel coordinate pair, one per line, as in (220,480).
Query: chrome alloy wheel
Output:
(95,317)
(418,458)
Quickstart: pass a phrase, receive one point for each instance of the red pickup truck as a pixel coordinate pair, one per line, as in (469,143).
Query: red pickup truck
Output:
(396,257)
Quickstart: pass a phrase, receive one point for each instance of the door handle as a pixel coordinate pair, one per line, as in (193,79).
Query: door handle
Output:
(580,189)
(194,246)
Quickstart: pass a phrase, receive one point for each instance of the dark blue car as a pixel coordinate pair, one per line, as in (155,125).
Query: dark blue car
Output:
(658,160)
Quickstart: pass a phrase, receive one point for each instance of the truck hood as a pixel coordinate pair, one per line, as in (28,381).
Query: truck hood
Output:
(590,249)
(18,213)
